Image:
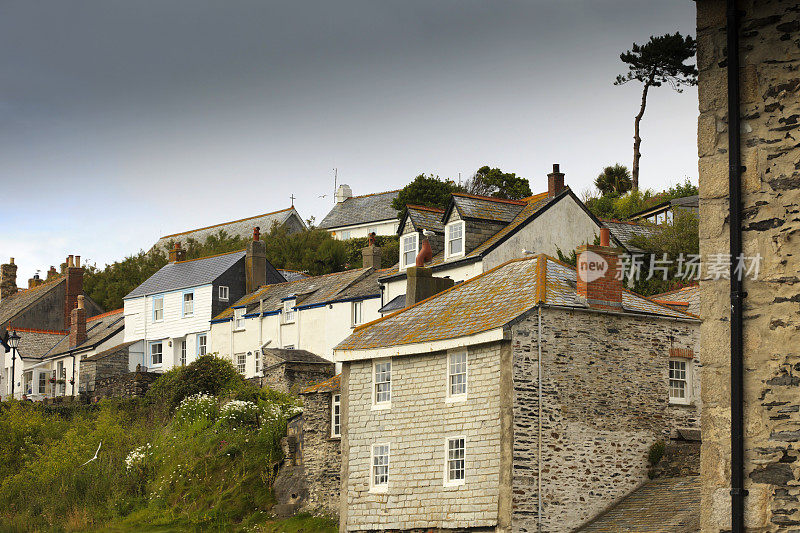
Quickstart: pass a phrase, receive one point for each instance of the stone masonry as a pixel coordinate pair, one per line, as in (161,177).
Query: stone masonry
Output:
(415,428)
(770,126)
(605,401)
(321,453)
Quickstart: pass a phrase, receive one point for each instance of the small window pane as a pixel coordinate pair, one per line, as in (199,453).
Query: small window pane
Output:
(158,309)
(383,382)
(357,316)
(458,373)
(156,353)
(224,293)
(455,240)
(188,304)
(677,379)
(288,312)
(336,427)
(201,344)
(241,362)
(380,465)
(409,249)
(455,459)
(183,353)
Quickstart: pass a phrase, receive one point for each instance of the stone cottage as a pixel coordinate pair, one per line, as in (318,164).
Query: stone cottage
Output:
(523,399)
(290,371)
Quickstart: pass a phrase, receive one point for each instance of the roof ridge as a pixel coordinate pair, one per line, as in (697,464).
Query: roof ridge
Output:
(207,257)
(226,223)
(490,198)
(372,194)
(535,197)
(33,330)
(46,284)
(630,222)
(425,208)
(107,313)
(694,285)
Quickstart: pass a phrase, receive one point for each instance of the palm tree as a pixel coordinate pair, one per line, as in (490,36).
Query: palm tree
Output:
(614,180)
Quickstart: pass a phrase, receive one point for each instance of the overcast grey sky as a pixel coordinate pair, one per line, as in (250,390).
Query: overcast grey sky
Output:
(121,121)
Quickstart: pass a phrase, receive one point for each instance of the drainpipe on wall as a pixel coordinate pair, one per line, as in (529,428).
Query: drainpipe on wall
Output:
(738,492)
(72,386)
(539,461)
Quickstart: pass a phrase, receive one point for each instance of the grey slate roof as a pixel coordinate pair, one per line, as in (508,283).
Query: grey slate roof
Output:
(689,295)
(295,356)
(624,232)
(361,210)
(426,218)
(13,305)
(291,275)
(98,329)
(483,208)
(185,274)
(241,228)
(36,344)
(111,351)
(395,304)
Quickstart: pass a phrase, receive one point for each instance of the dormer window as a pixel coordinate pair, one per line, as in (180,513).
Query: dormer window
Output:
(454,239)
(238,318)
(288,311)
(408,250)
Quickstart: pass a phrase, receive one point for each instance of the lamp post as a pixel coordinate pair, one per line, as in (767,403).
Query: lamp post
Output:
(13,343)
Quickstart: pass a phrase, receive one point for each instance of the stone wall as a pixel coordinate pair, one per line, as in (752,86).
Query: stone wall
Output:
(415,427)
(770,107)
(321,453)
(605,401)
(130,385)
(92,371)
(292,378)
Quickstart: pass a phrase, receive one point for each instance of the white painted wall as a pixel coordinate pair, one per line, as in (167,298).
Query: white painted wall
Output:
(457,273)
(172,330)
(383,227)
(317,330)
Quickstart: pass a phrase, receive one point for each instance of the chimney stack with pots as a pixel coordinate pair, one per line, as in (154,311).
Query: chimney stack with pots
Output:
(35,281)
(255,262)
(52,273)
(343,193)
(73,288)
(77,327)
(598,285)
(8,279)
(371,255)
(420,282)
(177,253)
(555,181)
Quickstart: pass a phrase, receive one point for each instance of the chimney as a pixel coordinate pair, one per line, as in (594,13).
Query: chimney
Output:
(52,273)
(74,287)
(343,193)
(177,253)
(420,282)
(555,181)
(35,281)
(371,255)
(77,328)
(255,262)
(8,279)
(597,272)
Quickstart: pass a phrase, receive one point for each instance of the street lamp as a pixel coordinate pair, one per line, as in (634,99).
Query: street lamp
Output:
(13,343)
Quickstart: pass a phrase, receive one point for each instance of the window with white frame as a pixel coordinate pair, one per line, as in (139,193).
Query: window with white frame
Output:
(158,309)
(42,382)
(27,380)
(156,353)
(454,238)
(358,312)
(241,363)
(224,293)
(202,344)
(382,379)
(257,355)
(288,311)
(408,249)
(379,478)
(238,318)
(188,303)
(457,375)
(183,353)
(336,415)
(455,461)
(679,381)
(344,234)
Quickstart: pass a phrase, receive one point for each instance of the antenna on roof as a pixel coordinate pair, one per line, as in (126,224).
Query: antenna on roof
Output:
(335,177)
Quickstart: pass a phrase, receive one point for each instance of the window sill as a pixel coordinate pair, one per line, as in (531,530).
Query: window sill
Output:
(383,489)
(454,484)
(681,403)
(381,406)
(454,256)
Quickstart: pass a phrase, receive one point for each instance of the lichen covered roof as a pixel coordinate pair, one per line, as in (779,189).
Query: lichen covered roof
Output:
(236,228)
(295,356)
(11,306)
(361,210)
(488,301)
(313,290)
(333,384)
(689,295)
(487,208)
(426,218)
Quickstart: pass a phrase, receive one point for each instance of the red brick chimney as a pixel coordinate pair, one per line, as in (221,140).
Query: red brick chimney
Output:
(177,253)
(255,262)
(77,328)
(74,286)
(555,181)
(597,273)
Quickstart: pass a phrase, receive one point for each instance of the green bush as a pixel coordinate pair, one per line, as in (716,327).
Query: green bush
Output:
(207,374)
(656,452)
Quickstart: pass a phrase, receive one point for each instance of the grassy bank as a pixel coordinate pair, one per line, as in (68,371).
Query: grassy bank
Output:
(199,453)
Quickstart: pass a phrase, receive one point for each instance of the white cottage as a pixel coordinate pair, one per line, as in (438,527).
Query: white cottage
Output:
(169,315)
(357,216)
